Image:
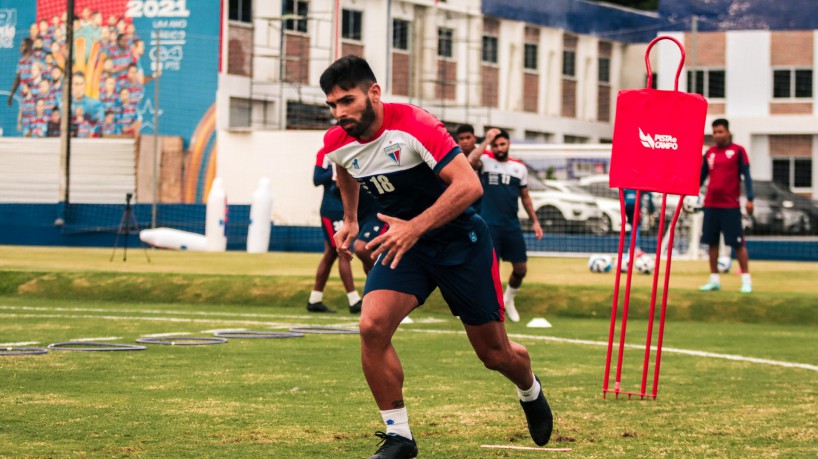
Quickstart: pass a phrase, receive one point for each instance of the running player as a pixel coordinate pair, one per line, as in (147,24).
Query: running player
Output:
(404,157)
(504,181)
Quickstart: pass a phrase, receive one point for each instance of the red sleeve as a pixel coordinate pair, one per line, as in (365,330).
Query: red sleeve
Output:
(430,132)
(319,158)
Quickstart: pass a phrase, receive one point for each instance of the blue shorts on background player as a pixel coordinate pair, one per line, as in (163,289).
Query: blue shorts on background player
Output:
(505,181)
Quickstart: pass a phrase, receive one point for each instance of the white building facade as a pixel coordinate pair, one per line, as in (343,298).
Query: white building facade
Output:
(763,83)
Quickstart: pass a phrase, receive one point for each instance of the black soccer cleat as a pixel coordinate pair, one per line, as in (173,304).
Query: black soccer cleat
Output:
(539,418)
(394,446)
(319,307)
(356,308)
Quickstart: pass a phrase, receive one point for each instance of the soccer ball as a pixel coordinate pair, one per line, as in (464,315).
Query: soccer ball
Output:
(724,264)
(600,263)
(693,204)
(624,267)
(644,265)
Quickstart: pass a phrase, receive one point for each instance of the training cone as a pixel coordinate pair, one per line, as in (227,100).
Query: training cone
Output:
(538,322)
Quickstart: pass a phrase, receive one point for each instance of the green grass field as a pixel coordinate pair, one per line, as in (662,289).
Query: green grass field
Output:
(306,397)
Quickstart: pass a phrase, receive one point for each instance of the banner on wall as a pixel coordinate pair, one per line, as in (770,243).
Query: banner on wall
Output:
(121,49)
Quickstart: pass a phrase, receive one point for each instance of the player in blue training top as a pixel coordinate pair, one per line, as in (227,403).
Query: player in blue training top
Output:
(332,217)
(406,160)
(504,181)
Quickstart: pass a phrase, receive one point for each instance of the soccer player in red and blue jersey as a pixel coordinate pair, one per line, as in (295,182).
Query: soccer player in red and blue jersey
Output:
(404,157)
(505,180)
(725,163)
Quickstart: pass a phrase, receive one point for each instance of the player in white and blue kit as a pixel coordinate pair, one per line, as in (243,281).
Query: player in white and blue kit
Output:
(406,160)
(505,180)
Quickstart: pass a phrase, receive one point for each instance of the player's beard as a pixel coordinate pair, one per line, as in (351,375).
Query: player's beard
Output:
(358,128)
(501,155)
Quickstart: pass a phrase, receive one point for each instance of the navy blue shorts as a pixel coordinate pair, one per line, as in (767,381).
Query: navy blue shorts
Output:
(722,221)
(330,222)
(367,230)
(509,243)
(371,227)
(471,287)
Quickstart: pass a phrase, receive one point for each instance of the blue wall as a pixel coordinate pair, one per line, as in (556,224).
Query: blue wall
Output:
(96,225)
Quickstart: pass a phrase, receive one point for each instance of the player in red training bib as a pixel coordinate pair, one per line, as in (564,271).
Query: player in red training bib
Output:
(725,163)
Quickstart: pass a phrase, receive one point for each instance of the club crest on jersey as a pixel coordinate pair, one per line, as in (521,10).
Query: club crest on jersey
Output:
(393,152)
(729,153)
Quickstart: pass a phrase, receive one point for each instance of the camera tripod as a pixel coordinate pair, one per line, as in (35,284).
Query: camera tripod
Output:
(127,223)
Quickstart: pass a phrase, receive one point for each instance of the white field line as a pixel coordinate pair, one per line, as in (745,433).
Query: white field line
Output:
(22,343)
(162,335)
(165,311)
(104,338)
(713,355)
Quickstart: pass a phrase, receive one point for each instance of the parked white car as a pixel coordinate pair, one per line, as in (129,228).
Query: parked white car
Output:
(561,210)
(597,185)
(611,220)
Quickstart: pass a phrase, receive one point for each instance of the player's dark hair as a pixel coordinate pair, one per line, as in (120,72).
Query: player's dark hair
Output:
(465,129)
(346,73)
(503,133)
(722,122)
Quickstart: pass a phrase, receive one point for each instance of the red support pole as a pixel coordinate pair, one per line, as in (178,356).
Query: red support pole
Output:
(625,304)
(615,304)
(664,300)
(649,338)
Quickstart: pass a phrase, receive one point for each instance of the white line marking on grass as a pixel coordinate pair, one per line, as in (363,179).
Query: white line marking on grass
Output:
(221,330)
(527,448)
(22,343)
(165,311)
(157,319)
(740,358)
(713,355)
(161,335)
(104,338)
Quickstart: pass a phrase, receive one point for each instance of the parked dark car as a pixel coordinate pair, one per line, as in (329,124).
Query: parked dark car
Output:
(780,211)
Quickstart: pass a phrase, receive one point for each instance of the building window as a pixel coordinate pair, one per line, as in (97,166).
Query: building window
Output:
(296,8)
(489,49)
(400,34)
(708,82)
(302,116)
(574,139)
(241,10)
(654,80)
(569,58)
(792,83)
(604,70)
(240,112)
(530,56)
(793,172)
(351,26)
(444,42)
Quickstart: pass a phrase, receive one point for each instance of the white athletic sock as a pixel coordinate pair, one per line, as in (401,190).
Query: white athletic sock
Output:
(353,297)
(316,296)
(745,278)
(714,278)
(397,422)
(531,394)
(510,293)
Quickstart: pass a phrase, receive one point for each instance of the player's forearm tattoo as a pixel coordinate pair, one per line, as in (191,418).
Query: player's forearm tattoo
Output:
(397,404)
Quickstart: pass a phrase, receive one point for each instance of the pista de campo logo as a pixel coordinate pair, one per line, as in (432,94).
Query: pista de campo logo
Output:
(659,141)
